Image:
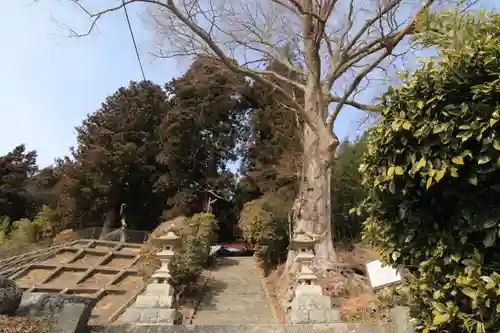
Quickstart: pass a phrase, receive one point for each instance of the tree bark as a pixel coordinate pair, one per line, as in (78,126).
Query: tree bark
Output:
(312,209)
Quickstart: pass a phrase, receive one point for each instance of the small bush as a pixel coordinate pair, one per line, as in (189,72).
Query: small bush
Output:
(23,232)
(264,225)
(256,222)
(45,223)
(197,236)
(26,235)
(5,225)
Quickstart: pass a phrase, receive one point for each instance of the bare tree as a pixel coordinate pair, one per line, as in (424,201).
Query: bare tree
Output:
(343,46)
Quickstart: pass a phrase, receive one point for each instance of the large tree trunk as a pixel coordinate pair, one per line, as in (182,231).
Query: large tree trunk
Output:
(311,210)
(312,207)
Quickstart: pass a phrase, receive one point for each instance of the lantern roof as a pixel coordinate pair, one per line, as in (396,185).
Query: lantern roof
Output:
(306,274)
(161,275)
(302,239)
(169,236)
(307,277)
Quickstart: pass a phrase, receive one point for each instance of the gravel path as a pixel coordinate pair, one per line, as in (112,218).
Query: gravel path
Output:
(234,295)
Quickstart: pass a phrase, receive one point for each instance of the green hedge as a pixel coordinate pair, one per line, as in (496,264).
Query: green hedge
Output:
(433,172)
(264,225)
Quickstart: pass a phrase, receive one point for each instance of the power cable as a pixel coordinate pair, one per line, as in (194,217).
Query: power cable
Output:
(133,40)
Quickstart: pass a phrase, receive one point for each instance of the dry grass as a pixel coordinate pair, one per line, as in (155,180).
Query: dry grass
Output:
(360,308)
(11,249)
(271,282)
(17,324)
(65,236)
(348,287)
(357,255)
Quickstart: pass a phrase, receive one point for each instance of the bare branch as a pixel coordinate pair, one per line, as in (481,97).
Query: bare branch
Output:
(215,194)
(371,67)
(340,47)
(357,105)
(258,75)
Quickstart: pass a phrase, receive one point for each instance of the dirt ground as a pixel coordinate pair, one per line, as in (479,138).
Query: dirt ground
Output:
(16,324)
(271,283)
(357,301)
(349,288)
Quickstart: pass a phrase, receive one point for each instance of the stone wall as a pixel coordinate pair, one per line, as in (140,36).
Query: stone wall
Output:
(316,328)
(70,313)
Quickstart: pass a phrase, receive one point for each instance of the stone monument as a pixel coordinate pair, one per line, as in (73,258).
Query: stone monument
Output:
(10,296)
(309,304)
(156,305)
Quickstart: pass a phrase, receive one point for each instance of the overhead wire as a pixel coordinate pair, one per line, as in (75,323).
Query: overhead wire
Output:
(133,40)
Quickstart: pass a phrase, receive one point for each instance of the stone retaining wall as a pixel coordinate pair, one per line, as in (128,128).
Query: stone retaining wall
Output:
(399,316)
(70,313)
(316,328)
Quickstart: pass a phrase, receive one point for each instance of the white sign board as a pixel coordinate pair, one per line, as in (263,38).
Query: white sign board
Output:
(382,276)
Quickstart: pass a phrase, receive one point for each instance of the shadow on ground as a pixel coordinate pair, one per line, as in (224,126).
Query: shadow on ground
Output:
(222,262)
(212,290)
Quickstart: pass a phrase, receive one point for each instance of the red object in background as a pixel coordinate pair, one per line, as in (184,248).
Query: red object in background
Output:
(234,249)
(282,318)
(240,245)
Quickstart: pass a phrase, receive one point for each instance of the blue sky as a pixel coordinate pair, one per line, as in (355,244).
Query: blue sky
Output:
(51,82)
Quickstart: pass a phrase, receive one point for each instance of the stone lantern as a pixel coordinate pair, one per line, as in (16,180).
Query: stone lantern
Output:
(306,277)
(306,282)
(157,303)
(168,244)
(309,305)
(304,246)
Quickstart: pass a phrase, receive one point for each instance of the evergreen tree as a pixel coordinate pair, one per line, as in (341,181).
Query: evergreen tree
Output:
(41,186)
(347,190)
(200,136)
(273,152)
(115,160)
(16,168)
(272,156)
(162,152)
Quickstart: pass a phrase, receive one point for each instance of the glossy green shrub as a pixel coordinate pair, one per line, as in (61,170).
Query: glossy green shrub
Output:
(433,175)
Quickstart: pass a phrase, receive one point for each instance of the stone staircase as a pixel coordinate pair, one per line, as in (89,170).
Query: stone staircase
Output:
(235,301)
(234,295)
(153,306)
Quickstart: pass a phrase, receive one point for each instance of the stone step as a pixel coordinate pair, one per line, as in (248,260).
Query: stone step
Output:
(153,301)
(234,295)
(273,328)
(148,316)
(159,289)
